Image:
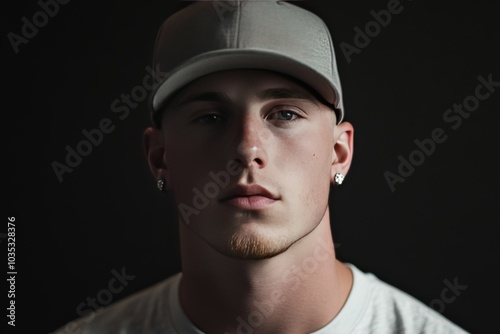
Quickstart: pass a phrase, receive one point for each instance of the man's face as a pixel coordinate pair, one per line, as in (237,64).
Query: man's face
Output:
(248,157)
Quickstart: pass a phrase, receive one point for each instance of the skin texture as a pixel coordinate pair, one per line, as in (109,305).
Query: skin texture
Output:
(254,127)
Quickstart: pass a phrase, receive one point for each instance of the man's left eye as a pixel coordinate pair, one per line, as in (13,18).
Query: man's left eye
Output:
(285,115)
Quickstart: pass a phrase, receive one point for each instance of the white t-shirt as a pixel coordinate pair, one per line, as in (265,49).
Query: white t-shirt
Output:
(373,306)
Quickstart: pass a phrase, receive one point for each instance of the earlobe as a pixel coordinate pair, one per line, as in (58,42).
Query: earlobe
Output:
(343,151)
(154,148)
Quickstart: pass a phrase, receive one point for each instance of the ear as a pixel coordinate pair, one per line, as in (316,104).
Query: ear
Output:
(342,149)
(155,148)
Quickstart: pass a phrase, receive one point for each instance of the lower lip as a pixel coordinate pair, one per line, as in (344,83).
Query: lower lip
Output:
(250,202)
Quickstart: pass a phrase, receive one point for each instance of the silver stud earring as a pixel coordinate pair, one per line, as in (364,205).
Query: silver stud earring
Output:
(339,178)
(161,185)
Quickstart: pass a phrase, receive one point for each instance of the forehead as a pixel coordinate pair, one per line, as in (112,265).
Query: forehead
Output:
(246,83)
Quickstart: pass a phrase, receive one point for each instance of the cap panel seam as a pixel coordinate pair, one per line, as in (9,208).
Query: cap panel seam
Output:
(238,23)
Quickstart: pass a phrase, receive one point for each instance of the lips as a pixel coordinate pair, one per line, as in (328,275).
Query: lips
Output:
(249,197)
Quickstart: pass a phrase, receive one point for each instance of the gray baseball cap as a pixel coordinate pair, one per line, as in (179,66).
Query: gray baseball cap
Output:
(212,36)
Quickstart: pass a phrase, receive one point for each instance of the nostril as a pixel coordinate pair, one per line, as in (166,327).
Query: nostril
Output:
(248,155)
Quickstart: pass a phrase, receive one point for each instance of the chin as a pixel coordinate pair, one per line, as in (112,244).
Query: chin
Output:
(252,244)
(253,236)
(254,248)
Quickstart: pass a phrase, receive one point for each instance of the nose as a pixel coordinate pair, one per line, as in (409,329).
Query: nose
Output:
(252,142)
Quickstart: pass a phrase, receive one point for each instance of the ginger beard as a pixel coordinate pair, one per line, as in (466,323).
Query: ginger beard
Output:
(250,247)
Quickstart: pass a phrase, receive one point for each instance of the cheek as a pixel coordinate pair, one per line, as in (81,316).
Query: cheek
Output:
(309,162)
(191,167)
(308,157)
(186,167)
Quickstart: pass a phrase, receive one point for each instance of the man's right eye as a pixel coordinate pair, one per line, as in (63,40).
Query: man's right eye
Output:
(210,119)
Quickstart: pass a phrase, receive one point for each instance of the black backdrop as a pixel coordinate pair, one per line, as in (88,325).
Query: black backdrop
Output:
(439,225)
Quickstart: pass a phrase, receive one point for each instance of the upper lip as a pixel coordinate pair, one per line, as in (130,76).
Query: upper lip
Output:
(241,190)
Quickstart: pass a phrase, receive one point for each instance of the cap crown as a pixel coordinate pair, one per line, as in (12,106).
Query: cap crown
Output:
(211,36)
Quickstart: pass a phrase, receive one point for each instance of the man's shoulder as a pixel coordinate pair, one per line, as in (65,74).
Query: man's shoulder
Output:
(131,314)
(389,308)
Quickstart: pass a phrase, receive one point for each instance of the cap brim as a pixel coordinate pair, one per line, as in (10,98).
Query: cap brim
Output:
(232,59)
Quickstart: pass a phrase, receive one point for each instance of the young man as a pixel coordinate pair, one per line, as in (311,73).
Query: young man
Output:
(248,139)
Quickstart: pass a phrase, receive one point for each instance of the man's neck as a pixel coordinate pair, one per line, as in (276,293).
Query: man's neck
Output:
(298,291)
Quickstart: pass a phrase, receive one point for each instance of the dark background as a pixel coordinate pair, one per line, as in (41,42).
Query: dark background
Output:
(440,224)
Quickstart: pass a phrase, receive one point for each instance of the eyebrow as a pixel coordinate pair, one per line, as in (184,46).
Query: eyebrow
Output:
(267,94)
(284,93)
(203,97)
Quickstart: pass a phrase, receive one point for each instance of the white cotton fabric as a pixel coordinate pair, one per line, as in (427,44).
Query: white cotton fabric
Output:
(373,306)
